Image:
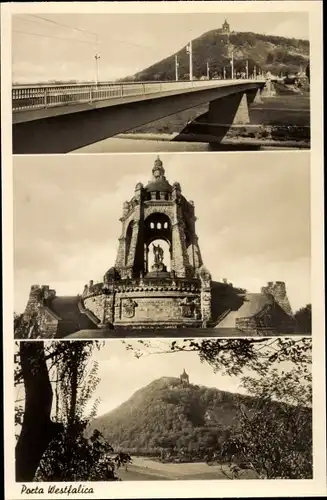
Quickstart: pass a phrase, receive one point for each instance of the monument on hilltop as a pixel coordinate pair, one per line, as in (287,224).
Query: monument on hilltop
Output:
(225,27)
(184,379)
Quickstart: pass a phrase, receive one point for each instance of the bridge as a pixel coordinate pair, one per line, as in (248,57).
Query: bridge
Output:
(63,118)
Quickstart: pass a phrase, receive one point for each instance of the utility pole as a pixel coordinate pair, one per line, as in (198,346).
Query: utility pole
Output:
(96,57)
(208,70)
(247,69)
(189,51)
(176,68)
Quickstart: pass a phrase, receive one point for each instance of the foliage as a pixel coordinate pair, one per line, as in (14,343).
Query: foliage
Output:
(303,319)
(269,431)
(266,52)
(307,72)
(71,456)
(177,423)
(232,356)
(167,416)
(276,442)
(26,329)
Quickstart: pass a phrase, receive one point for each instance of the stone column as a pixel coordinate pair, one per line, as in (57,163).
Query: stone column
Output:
(205,306)
(180,262)
(133,245)
(120,259)
(205,278)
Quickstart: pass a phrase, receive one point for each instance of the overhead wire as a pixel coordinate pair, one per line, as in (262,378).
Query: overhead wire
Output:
(53,37)
(114,40)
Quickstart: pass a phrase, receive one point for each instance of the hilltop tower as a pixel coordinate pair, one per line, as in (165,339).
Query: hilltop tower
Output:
(184,378)
(225,27)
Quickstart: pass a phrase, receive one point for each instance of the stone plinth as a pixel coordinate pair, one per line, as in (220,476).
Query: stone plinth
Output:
(157,300)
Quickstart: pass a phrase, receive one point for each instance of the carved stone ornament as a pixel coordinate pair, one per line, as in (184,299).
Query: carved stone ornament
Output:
(187,308)
(129,308)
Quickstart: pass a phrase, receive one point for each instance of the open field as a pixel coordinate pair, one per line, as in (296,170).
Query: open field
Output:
(146,469)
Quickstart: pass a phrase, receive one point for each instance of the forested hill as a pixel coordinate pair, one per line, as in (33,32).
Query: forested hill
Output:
(166,414)
(270,53)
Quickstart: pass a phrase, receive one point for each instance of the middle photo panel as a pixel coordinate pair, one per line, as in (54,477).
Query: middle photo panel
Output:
(145,246)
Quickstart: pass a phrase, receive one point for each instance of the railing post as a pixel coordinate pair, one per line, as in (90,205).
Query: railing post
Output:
(45,97)
(91,93)
(121,90)
(143,88)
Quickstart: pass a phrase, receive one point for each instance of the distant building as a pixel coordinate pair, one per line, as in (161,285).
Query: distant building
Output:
(225,27)
(184,378)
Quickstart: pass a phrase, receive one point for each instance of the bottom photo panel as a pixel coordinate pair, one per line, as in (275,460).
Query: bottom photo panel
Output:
(163,409)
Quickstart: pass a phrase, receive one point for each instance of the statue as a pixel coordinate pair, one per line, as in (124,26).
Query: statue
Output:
(158,265)
(158,254)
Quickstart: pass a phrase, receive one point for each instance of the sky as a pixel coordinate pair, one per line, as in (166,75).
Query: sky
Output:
(252,209)
(124,373)
(44,49)
(155,363)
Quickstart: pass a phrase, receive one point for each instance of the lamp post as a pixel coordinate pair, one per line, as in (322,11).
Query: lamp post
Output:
(176,68)
(189,51)
(96,57)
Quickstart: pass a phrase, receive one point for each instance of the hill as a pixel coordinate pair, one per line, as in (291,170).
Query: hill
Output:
(166,417)
(269,53)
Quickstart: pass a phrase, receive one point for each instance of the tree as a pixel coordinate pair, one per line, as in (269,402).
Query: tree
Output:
(303,319)
(38,429)
(275,434)
(26,329)
(53,443)
(275,440)
(307,72)
(234,356)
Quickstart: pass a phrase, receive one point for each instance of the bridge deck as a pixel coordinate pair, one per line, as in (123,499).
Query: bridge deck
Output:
(27,101)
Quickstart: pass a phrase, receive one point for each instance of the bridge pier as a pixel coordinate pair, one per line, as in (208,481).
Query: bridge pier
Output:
(230,110)
(223,113)
(269,89)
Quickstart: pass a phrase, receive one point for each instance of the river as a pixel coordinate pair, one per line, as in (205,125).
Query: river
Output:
(161,143)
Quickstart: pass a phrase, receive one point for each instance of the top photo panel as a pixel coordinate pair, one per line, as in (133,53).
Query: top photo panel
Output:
(160,82)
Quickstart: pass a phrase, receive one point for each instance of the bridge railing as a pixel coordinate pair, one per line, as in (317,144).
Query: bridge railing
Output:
(34,97)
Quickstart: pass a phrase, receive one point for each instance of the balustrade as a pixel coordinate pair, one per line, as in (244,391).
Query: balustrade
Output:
(48,96)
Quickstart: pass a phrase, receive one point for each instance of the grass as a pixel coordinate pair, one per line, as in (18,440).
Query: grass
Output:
(146,469)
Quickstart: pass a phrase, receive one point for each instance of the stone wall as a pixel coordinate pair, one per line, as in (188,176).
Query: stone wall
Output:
(48,324)
(146,308)
(278,291)
(95,305)
(271,321)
